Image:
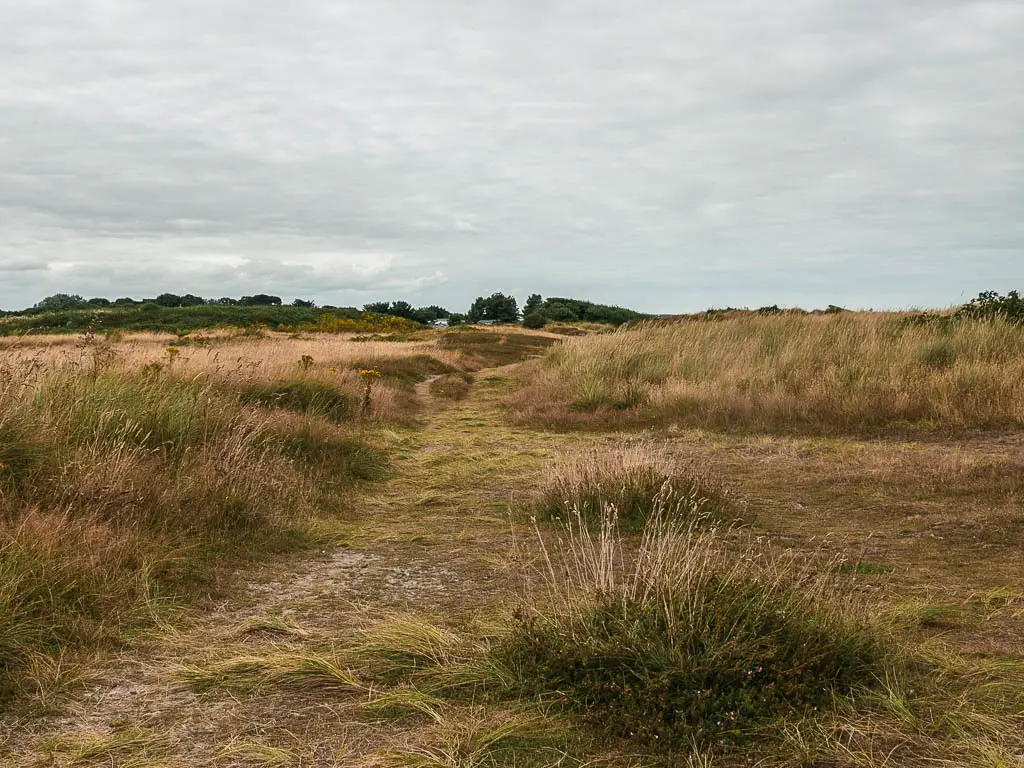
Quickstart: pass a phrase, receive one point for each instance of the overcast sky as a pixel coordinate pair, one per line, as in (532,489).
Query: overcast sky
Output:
(659,154)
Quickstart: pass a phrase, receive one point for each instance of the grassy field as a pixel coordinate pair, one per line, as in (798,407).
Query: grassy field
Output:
(847,372)
(324,551)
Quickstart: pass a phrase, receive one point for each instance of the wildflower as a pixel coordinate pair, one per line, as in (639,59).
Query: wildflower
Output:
(369,372)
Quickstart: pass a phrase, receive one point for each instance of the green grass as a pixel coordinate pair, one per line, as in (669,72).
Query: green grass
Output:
(304,395)
(690,644)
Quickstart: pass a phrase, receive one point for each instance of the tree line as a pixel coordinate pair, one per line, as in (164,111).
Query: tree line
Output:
(496,308)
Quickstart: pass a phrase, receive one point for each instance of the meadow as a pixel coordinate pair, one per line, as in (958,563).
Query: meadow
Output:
(785,540)
(847,372)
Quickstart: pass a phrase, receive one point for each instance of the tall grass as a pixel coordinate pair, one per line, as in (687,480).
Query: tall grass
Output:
(848,371)
(636,480)
(118,489)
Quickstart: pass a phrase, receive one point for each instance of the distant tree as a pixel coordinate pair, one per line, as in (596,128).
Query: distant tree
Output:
(534,320)
(559,312)
(456,318)
(402,309)
(378,307)
(430,314)
(125,301)
(303,303)
(535,303)
(225,301)
(990,305)
(602,313)
(260,300)
(497,307)
(191,300)
(59,302)
(98,302)
(168,300)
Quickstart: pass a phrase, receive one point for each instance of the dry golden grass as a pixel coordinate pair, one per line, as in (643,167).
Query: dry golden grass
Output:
(122,485)
(844,372)
(634,479)
(930,530)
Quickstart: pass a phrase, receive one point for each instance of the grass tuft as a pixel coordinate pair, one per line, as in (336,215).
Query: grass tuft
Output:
(632,480)
(683,643)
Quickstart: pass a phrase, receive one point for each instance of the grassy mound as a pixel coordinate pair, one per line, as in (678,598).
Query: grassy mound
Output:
(688,644)
(452,386)
(634,481)
(484,349)
(304,395)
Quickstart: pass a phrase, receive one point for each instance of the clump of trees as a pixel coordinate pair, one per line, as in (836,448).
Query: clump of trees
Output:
(990,304)
(497,308)
(538,311)
(64,302)
(407,311)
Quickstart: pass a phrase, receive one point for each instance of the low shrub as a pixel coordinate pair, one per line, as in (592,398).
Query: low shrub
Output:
(682,643)
(534,320)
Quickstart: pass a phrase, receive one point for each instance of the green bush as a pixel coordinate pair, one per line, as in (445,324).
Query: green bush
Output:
(989,305)
(686,643)
(534,320)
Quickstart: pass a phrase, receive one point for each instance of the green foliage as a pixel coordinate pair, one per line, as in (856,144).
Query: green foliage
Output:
(676,640)
(497,307)
(150,316)
(59,302)
(534,320)
(260,300)
(534,303)
(712,670)
(406,310)
(562,310)
(303,395)
(990,304)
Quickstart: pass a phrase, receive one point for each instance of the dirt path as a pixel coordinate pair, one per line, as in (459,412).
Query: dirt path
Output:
(431,540)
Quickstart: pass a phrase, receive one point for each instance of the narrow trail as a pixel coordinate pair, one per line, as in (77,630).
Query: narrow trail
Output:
(432,540)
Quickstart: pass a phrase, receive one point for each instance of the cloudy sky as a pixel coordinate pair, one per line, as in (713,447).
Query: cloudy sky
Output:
(659,154)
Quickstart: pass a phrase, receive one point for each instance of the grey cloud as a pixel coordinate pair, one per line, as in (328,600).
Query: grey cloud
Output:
(664,155)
